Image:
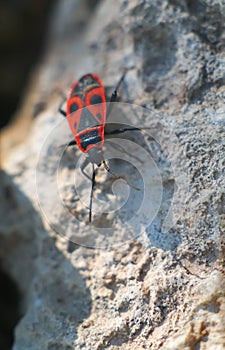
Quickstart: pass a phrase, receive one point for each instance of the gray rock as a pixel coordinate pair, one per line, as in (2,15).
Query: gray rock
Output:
(154,276)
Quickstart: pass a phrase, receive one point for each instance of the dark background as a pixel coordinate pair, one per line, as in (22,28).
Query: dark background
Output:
(24,25)
(23,30)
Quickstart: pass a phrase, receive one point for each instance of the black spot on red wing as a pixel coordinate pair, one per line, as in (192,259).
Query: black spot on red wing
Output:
(75,125)
(99,116)
(95,99)
(74,107)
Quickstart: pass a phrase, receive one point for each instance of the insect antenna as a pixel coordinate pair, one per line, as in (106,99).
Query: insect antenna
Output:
(114,94)
(92,190)
(117,176)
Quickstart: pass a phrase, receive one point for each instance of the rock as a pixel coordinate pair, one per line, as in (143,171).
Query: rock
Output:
(149,274)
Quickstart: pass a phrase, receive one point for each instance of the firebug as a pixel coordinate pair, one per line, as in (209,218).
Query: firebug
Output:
(86,113)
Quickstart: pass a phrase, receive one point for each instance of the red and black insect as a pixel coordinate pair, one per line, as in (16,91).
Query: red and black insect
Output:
(86,112)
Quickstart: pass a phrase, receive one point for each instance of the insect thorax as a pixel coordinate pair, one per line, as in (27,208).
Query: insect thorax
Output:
(85,84)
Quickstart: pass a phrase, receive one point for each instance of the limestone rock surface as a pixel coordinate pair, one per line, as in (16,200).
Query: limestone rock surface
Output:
(156,282)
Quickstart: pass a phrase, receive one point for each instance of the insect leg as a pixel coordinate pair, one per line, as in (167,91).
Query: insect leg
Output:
(92,190)
(83,166)
(114,94)
(60,107)
(71,143)
(110,134)
(119,131)
(122,130)
(116,176)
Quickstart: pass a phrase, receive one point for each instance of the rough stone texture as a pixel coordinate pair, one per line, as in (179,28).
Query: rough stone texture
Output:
(157,288)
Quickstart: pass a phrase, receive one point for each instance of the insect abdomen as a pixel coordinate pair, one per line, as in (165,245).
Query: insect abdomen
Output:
(91,138)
